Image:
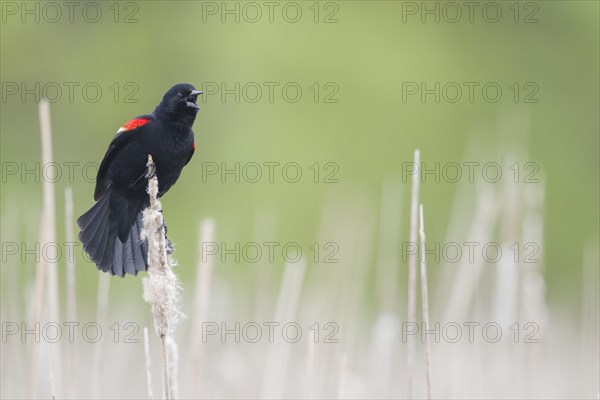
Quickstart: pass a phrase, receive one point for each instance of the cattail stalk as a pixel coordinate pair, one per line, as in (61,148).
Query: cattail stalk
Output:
(311,365)
(204,273)
(161,285)
(425,302)
(412,268)
(173,365)
(102,304)
(278,354)
(46,283)
(148,363)
(51,374)
(70,238)
(49,215)
(71,299)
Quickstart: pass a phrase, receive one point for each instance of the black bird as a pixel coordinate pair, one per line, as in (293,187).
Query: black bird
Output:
(110,230)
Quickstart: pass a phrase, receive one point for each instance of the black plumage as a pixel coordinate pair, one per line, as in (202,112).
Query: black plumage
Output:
(110,230)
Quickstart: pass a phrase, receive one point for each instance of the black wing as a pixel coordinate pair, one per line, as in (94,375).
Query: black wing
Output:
(123,136)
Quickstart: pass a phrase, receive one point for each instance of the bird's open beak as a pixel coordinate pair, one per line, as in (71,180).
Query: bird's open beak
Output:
(192,104)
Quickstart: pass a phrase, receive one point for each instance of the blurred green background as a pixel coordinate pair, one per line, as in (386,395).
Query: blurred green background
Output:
(368,133)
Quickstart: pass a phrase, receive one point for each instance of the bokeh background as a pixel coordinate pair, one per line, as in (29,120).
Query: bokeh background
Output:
(354,61)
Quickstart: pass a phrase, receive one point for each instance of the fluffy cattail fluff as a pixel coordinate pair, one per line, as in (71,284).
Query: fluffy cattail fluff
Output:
(161,286)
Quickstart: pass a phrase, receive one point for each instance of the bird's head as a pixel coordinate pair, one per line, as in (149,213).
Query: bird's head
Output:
(181,101)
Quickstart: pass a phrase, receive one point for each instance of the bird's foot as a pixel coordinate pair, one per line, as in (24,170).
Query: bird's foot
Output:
(168,245)
(164,225)
(151,171)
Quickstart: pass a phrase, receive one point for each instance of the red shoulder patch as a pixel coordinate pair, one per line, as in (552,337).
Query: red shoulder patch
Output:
(194,146)
(134,123)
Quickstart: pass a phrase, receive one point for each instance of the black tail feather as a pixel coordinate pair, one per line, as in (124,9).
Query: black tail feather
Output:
(114,249)
(128,254)
(105,241)
(140,248)
(117,258)
(92,221)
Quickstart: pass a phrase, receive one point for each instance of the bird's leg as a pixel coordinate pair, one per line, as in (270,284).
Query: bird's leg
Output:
(169,245)
(150,172)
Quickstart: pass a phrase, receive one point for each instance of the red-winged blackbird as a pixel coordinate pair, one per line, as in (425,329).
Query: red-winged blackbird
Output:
(110,230)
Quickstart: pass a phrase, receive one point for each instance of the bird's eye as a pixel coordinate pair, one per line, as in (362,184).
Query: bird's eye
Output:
(180,94)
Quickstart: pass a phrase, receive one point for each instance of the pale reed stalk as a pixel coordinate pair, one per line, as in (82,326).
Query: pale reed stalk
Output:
(161,286)
(412,269)
(148,363)
(425,302)
(204,273)
(102,303)
(46,271)
(71,299)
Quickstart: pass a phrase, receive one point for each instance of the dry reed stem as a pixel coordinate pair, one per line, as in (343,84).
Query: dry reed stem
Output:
(412,269)
(165,358)
(148,363)
(425,302)
(311,365)
(173,365)
(37,316)
(70,237)
(102,302)
(204,273)
(161,285)
(45,298)
(49,210)
(51,374)
(278,353)
(505,293)
(71,299)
